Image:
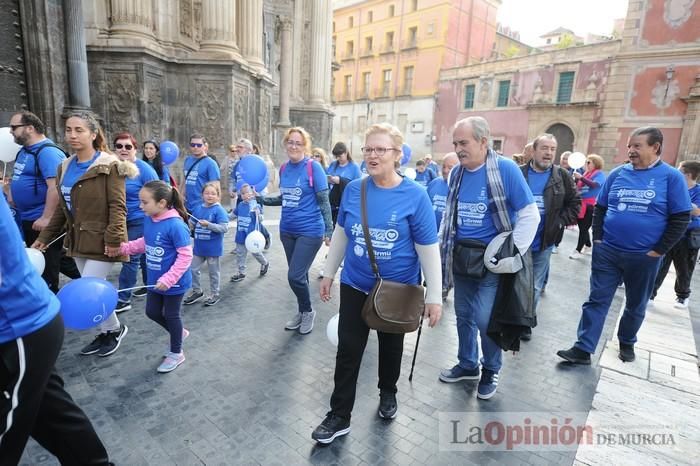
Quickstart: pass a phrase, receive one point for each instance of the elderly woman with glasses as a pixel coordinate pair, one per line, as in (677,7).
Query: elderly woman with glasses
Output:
(589,185)
(305,222)
(404,236)
(125,148)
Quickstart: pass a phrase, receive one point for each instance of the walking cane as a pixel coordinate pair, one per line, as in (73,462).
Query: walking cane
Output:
(415,351)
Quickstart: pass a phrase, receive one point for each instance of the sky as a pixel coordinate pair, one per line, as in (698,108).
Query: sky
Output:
(532,18)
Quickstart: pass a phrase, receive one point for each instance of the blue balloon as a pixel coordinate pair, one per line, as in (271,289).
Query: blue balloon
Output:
(87,302)
(258,187)
(252,169)
(406,157)
(169,152)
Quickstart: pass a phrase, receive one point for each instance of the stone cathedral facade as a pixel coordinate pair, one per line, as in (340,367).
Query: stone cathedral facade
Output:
(167,68)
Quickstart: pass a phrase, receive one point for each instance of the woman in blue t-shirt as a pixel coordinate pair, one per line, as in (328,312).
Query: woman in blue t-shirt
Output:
(125,148)
(588,185)
(305,222)
(404,237)
(340,172)
(151,155)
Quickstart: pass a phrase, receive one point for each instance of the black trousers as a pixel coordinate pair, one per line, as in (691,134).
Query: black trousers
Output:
(56,259)
(40,405)
(560,237)
(584,224)
(683,258)
(352,339)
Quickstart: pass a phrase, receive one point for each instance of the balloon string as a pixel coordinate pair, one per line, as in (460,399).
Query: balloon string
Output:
(56,239)
(145,286)
(195,218)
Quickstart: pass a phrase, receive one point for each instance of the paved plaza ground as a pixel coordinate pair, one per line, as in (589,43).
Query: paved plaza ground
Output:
(251,392)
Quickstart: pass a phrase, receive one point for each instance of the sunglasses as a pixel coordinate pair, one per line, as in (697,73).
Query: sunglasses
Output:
(196,144)
(123,146)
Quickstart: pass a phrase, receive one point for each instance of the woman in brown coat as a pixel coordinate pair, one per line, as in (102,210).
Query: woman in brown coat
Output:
(92,193)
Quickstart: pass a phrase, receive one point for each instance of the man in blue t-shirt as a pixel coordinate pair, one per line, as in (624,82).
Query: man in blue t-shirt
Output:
(472,218)
(198,170)
(33,190)
(557,201)
(423,175)
(34,401)
(431,165)
(642,210)
(437,189)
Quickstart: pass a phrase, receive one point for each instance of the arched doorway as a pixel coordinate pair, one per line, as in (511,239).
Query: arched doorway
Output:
(565,138)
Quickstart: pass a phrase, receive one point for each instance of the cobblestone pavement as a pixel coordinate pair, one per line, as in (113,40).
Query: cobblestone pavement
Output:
(251,392)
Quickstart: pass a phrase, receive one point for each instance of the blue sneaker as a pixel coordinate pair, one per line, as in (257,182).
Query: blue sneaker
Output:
(458,373)
(487,385)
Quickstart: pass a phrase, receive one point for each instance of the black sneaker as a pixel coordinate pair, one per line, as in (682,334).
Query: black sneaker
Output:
(387,405)
(193,298)
(95,346)
(212,300)
(238,277)
(263,269)
(332,426)
(626,353)
(112,341)
(122,306)
(526,334)
(575,356)
(140,292)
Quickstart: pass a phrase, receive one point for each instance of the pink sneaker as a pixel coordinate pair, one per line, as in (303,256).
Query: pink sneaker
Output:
(171,362)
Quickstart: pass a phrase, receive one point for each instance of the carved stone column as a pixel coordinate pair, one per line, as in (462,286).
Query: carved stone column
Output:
(689,148)
(251,19)
(131,18)
(219,26)
(319,91)
(285,26)
(78,85)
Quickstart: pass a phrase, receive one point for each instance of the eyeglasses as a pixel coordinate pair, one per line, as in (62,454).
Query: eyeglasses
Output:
(123,146)
(196,144)
(14,127)
(316,156)
(295,143)
(377,150)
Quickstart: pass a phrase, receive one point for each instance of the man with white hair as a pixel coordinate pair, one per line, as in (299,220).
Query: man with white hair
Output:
(487,195)
(431,165)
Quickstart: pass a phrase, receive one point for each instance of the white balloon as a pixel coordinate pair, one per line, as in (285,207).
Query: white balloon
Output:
(8,147)
(36,257)
(410,173)
(577,160)
(255,242)
(332,329)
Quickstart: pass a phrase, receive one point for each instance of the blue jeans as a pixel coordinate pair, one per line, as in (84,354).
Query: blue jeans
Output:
(608,267)
(474,300)
(127,276)
(540,267)
(301,252)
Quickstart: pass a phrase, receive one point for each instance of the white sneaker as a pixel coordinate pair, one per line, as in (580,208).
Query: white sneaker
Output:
(555,250)
(575,255)
(681,303)
(650,303)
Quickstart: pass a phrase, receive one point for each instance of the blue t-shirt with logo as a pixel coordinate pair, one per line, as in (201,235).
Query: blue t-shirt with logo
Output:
(639,203)
(301,214)
(424,178)
(587,192)
(26,303)
(205,171)
(474,214)
(247,219)
(71,176)
(694,194)
(537,182)
(363,169)
(162,241)
(209,243)
(29,190)
(397,218)
(133,186)
(437,192)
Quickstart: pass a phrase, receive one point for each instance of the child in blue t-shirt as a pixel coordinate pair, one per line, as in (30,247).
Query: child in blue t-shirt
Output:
(248,213)
(166,242)
(209,221)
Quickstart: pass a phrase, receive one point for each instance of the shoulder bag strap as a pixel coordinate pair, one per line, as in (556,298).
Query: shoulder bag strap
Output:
(365,227)
(194,165)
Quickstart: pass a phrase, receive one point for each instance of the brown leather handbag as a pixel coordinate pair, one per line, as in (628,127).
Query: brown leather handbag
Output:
(391,307)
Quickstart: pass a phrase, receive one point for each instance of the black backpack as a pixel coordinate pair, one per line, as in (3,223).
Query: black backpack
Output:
(35,154)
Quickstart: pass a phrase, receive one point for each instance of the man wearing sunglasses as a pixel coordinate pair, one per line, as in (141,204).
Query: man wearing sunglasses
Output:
(33,190)
(199,169)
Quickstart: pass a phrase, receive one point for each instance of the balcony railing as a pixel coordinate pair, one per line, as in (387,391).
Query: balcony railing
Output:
(388,48)
(367,52)
(409,44)
(383,92)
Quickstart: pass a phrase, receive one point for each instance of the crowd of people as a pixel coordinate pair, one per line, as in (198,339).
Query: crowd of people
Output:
(482,224)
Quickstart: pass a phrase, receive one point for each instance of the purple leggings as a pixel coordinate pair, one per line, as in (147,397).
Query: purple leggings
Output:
(165,311)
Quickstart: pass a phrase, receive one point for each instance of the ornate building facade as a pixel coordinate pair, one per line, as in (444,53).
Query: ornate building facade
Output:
(167,68)
(591,97)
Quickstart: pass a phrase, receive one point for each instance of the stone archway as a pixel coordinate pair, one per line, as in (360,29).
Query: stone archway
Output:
(565,138)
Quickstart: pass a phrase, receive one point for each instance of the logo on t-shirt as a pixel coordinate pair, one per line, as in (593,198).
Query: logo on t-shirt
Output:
(291,196)
(381,239)
(635,200)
